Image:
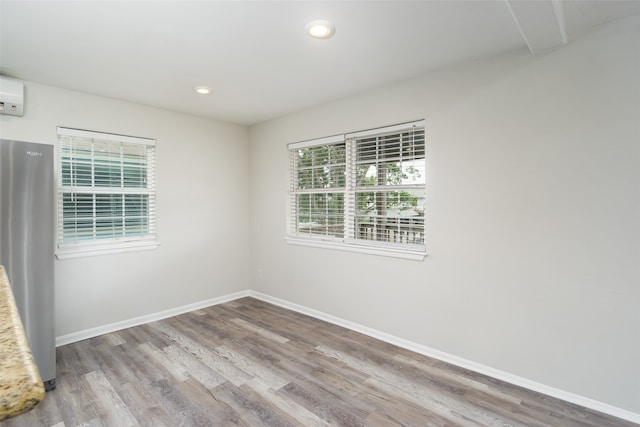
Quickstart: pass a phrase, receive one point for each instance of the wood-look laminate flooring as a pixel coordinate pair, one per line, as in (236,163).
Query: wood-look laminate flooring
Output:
(250,363)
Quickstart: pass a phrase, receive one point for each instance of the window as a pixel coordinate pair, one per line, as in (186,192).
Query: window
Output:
(106,193)
(363,191)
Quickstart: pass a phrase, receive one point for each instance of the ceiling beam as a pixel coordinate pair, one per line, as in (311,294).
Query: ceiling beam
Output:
(541,23)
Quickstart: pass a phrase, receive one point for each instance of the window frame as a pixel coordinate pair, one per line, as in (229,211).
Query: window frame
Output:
(348,241)
(69,245)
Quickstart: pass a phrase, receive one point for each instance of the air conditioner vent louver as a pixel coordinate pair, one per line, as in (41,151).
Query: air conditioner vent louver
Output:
(11,96)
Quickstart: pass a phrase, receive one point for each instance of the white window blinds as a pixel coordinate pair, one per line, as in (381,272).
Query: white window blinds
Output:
(318,177)
(361,190)
(106,192)
(388,187)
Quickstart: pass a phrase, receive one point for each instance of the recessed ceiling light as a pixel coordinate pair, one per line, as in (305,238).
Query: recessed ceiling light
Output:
(203,90)
(320,29)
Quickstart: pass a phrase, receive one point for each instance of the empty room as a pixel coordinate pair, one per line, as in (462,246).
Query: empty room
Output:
(312,213)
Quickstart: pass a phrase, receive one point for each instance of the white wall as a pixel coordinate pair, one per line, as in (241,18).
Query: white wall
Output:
(533,216)
(202,204)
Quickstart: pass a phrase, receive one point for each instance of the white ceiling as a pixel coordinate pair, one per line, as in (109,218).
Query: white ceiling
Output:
(256,56)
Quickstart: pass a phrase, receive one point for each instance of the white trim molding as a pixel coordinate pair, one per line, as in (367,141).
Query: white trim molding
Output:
(391,339)
(371,250)
(141,320)
(455,360)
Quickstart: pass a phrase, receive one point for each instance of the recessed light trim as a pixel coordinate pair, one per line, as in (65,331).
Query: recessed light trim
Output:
(320,29)
(202,90)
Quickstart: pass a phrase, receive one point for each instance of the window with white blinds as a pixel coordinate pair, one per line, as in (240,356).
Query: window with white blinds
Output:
(106,193)
(362,191)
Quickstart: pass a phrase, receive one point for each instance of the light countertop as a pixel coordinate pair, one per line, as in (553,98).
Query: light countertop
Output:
(21,388)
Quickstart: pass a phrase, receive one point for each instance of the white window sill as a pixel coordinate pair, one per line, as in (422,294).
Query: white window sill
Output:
(80,250)
(371,250)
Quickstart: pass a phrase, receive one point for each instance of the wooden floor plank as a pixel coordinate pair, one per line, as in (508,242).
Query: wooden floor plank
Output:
(250,363)
(296,411)
(253,409)
(147,411)
(112,409)
(325,404)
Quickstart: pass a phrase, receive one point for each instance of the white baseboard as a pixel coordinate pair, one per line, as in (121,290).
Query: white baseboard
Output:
(391,339)
(455,360)
(112,327)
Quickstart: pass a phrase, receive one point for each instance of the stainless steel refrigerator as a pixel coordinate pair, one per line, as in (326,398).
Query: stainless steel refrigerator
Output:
(27,228)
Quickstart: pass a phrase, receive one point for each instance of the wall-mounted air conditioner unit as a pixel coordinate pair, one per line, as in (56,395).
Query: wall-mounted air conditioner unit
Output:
(11,96)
